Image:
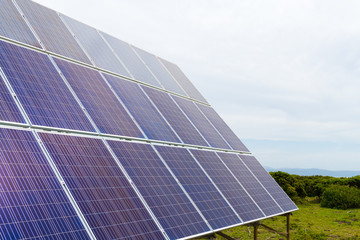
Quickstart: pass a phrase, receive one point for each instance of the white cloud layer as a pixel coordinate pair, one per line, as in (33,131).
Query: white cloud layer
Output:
(277,70)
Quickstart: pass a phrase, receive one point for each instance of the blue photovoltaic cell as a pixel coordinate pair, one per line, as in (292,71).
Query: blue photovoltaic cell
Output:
(175,117)
(201,123)
(95,46)
(205,195)
(52,31)
(131,60)
(33,205)
(164,196)
(183,81)
(43,94)
(109,203)
(251,184)
(228,185)
(145,114)
(159,71)
(223,128)
(98,99)
(12,24)
(269,183)
(8,109)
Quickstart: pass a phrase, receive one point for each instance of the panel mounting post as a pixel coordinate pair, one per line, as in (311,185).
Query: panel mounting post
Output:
(288,226)
(256,226)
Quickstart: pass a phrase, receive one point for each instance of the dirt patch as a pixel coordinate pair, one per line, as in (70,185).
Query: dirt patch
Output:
(343,222)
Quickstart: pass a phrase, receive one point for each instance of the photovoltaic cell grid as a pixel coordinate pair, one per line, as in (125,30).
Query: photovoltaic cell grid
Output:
(201,123)
(175,117)
(131,60)
(95,46)
(170,205)
(159,71)
(33,204)
(139,105)
(206,197)
(228,185)
(269,183)
(183,81)
(223,128)
(98,99)
(40,89)
(52,31)
(104,195)
(13,26)
(8,109)
(250,183)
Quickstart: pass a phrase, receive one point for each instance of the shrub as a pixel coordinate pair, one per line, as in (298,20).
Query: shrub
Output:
(341,197)
(287,183)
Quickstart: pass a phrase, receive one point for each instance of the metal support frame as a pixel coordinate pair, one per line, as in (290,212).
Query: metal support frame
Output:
(257,224)
(213,236)
(209,237)
(225,236)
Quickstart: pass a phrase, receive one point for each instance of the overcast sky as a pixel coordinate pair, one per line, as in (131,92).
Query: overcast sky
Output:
(283,74)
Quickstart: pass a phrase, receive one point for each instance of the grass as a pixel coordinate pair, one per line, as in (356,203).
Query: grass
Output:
(310,222)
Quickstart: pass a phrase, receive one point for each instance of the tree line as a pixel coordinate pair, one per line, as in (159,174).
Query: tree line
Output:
(332,192)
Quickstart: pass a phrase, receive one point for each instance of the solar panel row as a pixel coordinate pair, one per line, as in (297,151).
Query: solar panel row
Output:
(67,37)
(48,101)
(107,199)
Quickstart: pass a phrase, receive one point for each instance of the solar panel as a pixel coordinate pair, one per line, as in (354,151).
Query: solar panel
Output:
(201,123)
(40,89)
(95,46)
(131,60)
(175,117)
(128,148)
(8,109)
(208,199)
(33,204)
(251,184)
(102,192)
(222,128)
(98,99)
(172,208)
(145,114)
(159,71)
(269,183)
(228,185)
(51,30)
(13,26)
(183,81)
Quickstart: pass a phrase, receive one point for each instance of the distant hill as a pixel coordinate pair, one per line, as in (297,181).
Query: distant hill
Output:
(314,171)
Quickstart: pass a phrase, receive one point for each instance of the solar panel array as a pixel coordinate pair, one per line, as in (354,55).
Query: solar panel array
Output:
(100,139)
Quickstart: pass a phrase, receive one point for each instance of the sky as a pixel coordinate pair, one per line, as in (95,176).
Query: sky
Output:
(283,74)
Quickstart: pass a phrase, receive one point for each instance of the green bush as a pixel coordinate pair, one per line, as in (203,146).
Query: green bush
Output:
(289,184)
(341,197)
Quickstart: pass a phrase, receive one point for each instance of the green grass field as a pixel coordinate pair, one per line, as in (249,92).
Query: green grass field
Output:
(310,222)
